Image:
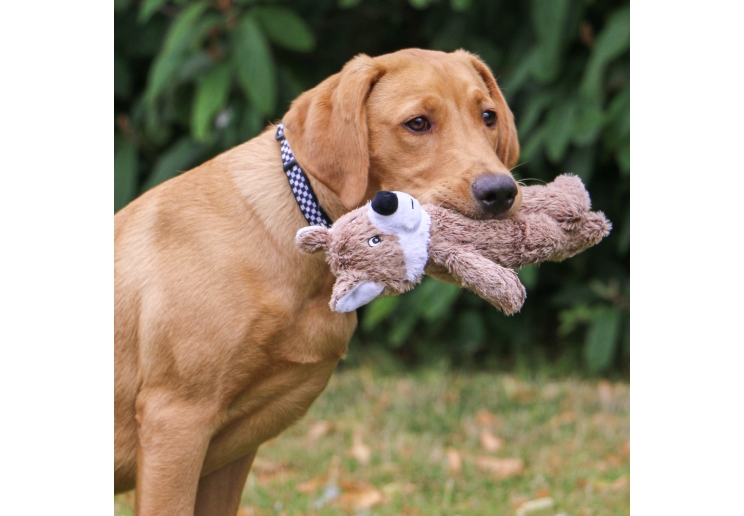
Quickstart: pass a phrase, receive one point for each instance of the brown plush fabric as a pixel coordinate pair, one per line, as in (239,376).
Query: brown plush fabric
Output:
(553,223)
(351,258)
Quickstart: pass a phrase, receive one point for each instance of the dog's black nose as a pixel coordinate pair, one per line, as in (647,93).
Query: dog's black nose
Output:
(385,203)
(495,193)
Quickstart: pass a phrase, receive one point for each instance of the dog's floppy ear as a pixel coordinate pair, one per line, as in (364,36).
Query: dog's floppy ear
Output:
(312,239)
(327,129)
(508,146)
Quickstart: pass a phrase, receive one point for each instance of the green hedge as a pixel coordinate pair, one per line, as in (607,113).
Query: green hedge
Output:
(194,78)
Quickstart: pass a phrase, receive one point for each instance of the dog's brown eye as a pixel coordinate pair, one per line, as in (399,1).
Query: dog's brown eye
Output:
(489,117)
(418,124)
(375,240)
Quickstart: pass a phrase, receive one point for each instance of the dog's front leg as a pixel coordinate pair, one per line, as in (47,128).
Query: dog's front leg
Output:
(173,440)
(220,491)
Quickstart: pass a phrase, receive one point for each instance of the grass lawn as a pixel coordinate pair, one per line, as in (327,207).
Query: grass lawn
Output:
(445,443)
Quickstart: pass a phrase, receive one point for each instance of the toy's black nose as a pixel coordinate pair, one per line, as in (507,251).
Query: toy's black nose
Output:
(495,193)
(385,203)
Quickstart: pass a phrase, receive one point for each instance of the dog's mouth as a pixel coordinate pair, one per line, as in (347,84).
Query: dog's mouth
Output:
(469,206)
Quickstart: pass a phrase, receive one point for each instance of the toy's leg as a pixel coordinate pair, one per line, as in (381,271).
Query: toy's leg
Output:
(496,284)
(548,240)
(219,492)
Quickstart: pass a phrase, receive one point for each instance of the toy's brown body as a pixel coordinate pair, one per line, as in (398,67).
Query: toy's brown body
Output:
(553,223)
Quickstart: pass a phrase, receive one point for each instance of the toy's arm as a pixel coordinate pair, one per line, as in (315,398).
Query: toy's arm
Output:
(496,284)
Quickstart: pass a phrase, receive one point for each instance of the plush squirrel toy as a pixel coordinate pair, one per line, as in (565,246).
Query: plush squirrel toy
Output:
(385,246)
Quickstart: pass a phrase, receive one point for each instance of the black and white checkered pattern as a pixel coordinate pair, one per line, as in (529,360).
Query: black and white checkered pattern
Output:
(303,192)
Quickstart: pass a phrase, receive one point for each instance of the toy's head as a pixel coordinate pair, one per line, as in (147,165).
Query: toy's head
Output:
(380,247)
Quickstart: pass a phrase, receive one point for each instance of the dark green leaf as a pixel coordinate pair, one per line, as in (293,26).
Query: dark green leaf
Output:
(121,5)
(211,96)
(419,4)
(602,338)
(623,240)
(178,158)
(626,334)
(535,107)
(255,65)
(589,120)
(558,129)
(623,157)
(549,19)
(460,5)
(533,144)
(285,28)
(180,31)
(251,123)
(378,310)
(148,8)
(122,79)
(126,167)
(611,42)
(528,276)
(617,131)
(347,4)
(194,66)
(171,56)
(402,328)
(437,298)
(582,163)
(471,332)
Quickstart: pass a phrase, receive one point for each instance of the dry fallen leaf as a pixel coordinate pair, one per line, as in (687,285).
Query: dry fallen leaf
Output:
(267,471)
(564,418)
(543,492)
(555,461)
(397,487)
(606,395)
(486,418)
(318,430)
(501,468)
(403,387)
(454,460)
(605,419)
(551,391)
(312,485)
(532,506)
(626,448)
(359,496)
(490,442)
(613,459)
(616,485)
(360,451)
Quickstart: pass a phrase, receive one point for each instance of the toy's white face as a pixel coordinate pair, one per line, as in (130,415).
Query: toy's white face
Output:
(407,215)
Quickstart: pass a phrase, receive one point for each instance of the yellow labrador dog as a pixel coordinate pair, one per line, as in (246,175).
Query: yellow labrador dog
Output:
(223,334)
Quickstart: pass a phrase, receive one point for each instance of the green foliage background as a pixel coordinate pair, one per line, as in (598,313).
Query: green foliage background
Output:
(196,77)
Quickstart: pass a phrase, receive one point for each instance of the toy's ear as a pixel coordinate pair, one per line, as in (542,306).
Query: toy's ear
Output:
(312,239)
(352,298)
(327,129)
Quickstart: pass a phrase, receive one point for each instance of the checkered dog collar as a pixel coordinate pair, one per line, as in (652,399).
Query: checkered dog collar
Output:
(303,192)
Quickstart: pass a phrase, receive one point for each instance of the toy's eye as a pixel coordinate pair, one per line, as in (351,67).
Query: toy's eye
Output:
(489,118)
(375,240)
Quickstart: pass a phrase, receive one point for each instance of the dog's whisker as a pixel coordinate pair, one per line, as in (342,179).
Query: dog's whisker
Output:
(521,181)
(518,165)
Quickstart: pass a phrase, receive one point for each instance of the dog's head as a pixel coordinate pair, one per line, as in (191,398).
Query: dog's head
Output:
(429,123)
(381,246)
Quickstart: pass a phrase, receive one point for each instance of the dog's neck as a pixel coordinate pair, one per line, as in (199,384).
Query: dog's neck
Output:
(330,202)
